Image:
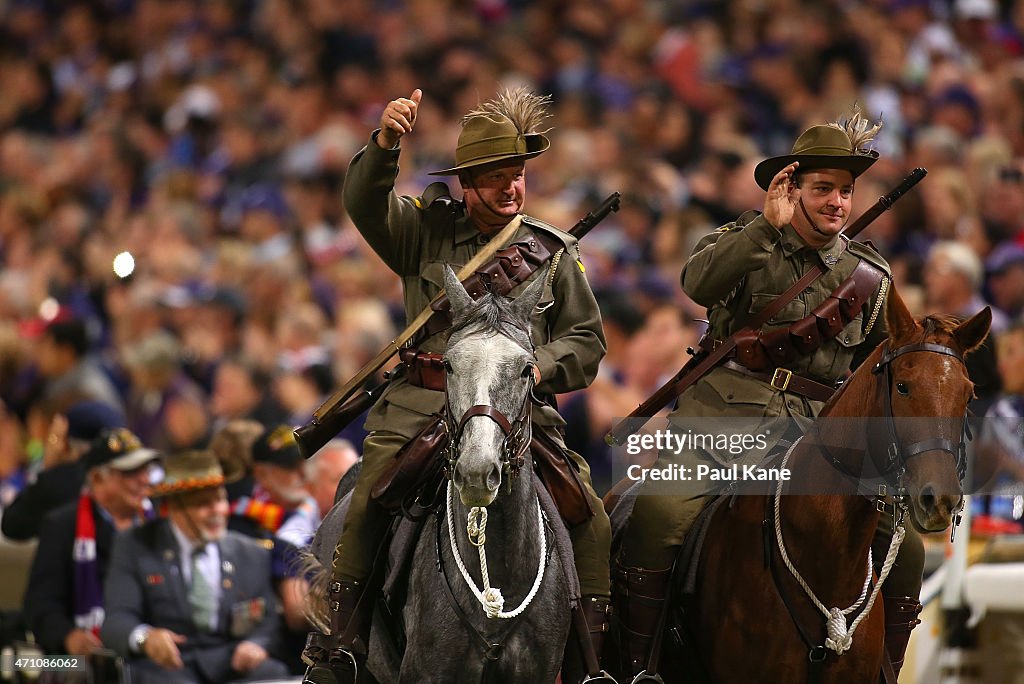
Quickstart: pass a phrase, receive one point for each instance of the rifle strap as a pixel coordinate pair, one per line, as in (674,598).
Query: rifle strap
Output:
(509,268)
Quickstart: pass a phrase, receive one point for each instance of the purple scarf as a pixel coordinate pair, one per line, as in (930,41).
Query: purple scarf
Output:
(88,591)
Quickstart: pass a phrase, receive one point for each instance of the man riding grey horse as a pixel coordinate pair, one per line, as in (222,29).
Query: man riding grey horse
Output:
(416,237)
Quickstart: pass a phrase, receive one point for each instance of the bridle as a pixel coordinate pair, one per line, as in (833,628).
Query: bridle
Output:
(517,432)
(898,454)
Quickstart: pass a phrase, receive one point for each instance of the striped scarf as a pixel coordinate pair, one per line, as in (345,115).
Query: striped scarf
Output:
(266,514)
(88,589)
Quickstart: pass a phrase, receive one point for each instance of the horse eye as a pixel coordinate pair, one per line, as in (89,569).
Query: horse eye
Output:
(902,388)
(447,366)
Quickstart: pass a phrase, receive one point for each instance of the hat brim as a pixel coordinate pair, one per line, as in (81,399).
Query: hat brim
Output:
(134,459)
(536,143)
(192,484)
(854,163)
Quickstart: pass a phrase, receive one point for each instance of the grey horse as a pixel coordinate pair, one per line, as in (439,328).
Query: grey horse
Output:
(449,635)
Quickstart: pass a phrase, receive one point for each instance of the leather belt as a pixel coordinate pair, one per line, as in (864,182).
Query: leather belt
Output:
(423,369)
(785,380)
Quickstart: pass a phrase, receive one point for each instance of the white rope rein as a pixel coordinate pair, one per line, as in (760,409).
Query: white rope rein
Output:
(840,636)
(490,597)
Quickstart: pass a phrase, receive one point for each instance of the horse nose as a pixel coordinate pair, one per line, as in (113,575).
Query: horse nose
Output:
(944,505)
(489,481)
(494,478)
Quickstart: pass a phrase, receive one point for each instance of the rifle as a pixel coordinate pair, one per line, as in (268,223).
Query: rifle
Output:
(702,362)
(342,408)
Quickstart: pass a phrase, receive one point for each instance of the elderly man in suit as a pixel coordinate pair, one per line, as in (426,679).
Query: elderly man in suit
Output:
(64,599)
(187,600)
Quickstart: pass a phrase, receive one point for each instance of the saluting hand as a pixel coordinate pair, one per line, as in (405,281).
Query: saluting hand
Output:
(782,198)
(398,119)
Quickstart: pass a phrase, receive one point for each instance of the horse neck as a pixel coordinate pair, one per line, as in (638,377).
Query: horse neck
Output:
(512,541)
(841,525)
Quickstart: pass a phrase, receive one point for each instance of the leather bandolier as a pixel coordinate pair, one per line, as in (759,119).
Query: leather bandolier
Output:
(511,267)
(763,354)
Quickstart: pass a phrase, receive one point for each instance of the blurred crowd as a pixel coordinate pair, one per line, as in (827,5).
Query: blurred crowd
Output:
(170,174)
(173,243)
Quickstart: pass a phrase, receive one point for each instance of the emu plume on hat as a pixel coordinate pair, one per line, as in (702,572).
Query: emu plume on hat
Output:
(502,129)
(836,145)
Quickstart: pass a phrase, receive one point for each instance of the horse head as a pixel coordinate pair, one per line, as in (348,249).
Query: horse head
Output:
(490,364)
(923,392)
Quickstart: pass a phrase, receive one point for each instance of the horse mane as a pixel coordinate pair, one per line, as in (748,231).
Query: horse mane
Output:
(492,313)
(940,323)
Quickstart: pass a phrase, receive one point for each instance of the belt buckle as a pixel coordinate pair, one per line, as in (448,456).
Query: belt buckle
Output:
(781,378)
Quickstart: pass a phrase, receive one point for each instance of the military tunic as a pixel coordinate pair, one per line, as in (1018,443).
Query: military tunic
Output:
(736,272)
(416,238)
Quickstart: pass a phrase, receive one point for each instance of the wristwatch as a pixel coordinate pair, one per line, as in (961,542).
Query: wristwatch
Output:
(140,639)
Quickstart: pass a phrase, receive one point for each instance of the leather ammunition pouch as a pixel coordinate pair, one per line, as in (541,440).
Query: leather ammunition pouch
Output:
(760,350)
(423,369)
(413,484)
(561,477)
(509,268)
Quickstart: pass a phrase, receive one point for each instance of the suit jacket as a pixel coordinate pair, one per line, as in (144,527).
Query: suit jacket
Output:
(53,487)
(48,598)
(144,585)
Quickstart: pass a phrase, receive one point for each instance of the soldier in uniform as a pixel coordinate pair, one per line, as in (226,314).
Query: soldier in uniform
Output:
(416,237)
(736,272)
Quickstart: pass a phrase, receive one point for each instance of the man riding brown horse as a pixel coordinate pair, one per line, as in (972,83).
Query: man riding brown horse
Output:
(736,272)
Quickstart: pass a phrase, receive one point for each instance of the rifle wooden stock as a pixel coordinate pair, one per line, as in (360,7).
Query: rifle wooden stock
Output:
(700,364)
(312,437)
(319,431)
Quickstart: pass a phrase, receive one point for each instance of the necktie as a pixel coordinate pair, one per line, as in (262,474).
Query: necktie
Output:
(200,595)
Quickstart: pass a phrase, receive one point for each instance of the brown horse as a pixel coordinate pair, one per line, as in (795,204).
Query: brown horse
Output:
(752,620)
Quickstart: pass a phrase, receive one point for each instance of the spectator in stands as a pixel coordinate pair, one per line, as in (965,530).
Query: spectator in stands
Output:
(227,622)
(953,277)
(64,602)
(999,464)
(165,407)
(326,468)
(280,502)
(63,474)
(1005,266)
(68,372)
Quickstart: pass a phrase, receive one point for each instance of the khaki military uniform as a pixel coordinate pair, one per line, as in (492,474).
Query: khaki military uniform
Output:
(416,238)
(736,272)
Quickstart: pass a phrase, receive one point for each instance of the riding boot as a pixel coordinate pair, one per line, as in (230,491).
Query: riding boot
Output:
(582,663)
(900,619)
(332,657)
(639,597)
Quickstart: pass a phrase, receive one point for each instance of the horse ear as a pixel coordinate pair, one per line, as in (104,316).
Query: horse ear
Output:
(898,318)
(457,295)
(972,332)
(526,302)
